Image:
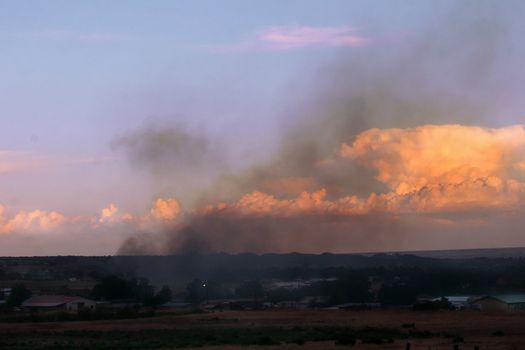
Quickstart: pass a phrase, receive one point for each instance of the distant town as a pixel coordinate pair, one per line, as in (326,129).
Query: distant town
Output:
(248,281)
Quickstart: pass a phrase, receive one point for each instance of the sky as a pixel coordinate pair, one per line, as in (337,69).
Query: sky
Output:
(157,127)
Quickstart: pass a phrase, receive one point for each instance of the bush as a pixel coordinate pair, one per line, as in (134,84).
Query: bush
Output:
(18,295)
(458,339)
(345,339)
(498,333)
(266,340)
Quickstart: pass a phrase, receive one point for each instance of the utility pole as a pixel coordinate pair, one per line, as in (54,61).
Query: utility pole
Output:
(205,285)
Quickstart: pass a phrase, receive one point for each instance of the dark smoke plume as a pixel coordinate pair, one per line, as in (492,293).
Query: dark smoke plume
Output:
(447,72)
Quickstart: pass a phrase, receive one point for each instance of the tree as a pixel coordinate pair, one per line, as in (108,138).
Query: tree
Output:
(18,295)
(398,295)
(142,290)
(111,288)
(196,290)
(164,295)
(250,289)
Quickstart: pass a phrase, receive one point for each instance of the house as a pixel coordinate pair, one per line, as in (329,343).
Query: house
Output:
(232,304)
(58,303)
(504,302)
(356,306)
(4,295)
(459,302)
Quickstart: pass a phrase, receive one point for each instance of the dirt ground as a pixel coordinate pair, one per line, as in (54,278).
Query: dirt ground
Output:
(476,328)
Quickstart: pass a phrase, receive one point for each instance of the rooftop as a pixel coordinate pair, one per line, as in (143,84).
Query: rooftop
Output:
(51,300)
(511,298)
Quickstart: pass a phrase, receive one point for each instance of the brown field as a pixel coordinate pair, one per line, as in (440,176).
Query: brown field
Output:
(476,328)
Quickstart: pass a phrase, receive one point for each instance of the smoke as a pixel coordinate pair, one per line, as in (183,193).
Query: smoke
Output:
(163,149)
(449,72)
(178,158)
(441,75)
(234,233)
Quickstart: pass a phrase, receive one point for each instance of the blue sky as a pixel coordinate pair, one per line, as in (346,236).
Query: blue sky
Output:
(74,75)
(70,84)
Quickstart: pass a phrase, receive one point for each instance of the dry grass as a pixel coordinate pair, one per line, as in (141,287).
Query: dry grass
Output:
(475,327)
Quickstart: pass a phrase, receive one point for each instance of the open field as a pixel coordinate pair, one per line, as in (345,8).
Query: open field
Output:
(294,329)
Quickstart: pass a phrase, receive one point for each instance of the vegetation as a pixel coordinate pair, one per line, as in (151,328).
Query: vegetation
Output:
(442,304)
(250,289)
(159,338)
(18,295)
(391,280)
(115,288)
(83,315)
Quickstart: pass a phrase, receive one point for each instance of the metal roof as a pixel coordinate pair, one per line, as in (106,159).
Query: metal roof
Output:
(51,301)
(455,298)
(511,298)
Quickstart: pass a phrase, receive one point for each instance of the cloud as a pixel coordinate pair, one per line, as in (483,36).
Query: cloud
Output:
(295,37)
(165,209)
(292,37)
(436,177)
(35,221)
(15,162)
(435,167)
(443,176)
(110,220)
(109,214)
(426,169)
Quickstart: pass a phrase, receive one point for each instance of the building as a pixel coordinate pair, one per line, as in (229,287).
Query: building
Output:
(459,302)
(504,302)
(58,303)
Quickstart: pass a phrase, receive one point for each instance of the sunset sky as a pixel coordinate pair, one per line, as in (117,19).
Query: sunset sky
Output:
(157,127)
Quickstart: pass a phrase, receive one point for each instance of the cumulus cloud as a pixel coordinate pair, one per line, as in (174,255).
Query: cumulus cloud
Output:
(32,221)
(442,176)
(165,209)
(429,168)
(436,167)
(109,214)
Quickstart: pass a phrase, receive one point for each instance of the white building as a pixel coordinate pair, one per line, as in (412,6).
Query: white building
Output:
(58,303)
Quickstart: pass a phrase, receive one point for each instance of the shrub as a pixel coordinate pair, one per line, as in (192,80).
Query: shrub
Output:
(498,333)
(266,340)
(345,339)
(373,339)
(458,339)
(298,341)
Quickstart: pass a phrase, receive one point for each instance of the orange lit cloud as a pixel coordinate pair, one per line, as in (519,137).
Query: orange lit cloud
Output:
(436,167)
(37,221)
(430,168)
(108,214)
(306,203)
(440,175)
(165,209)
(31,221)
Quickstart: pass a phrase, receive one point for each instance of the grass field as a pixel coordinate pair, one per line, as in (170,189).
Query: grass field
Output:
(294,329)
